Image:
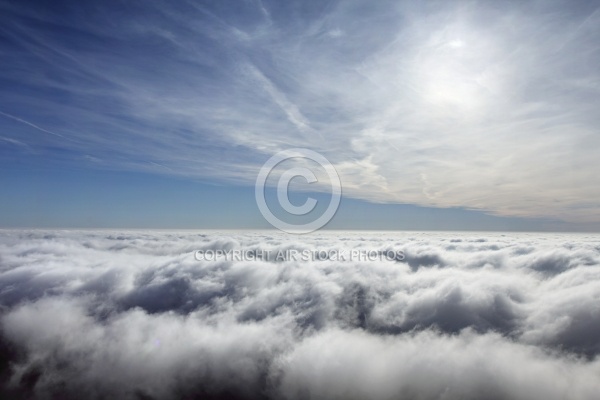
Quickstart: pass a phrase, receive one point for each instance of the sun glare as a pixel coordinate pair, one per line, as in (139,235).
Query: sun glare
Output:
(456,43)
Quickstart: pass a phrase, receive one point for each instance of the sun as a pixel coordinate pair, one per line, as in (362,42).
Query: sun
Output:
(456,43)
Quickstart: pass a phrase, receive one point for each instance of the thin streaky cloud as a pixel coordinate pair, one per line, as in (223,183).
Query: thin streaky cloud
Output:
(31,124)
(505,122)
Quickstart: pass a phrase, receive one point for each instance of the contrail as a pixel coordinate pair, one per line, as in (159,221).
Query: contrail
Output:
(30,124)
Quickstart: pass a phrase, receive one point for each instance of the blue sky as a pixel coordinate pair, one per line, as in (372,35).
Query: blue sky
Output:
(436,115)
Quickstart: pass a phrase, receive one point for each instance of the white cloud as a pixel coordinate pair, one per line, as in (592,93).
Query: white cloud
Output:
(133,314)
(480,106)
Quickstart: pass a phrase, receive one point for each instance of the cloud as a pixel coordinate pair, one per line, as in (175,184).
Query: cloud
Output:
(27,123)
(428,365)
(134,315)
(479,106)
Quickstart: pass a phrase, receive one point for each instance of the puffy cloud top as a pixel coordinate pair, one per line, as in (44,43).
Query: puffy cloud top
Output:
(135,315)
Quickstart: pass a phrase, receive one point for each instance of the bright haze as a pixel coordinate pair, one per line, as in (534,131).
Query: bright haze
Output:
(159,114)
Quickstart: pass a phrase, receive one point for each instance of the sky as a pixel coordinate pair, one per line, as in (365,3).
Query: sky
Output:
(436,115)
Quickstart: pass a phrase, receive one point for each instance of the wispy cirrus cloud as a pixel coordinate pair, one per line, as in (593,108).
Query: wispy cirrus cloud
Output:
(473,105)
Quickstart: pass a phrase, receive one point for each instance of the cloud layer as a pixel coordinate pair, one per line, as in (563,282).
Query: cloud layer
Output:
(134,315)
(477,104)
